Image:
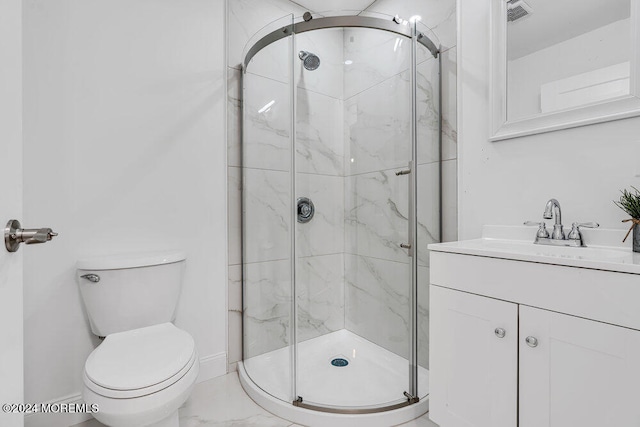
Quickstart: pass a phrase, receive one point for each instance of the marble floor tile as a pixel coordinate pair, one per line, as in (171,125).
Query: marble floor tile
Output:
(423,421)
(221,402)
(90,423)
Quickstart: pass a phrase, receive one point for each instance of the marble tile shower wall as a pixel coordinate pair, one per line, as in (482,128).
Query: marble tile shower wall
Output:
(345,277)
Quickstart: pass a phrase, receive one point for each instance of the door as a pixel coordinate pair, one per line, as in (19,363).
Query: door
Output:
(11,389)
(352,181)
(577,372)
(267,213)
(473,360)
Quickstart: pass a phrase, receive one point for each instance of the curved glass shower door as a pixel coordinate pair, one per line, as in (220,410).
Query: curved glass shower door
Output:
(267,194)
(353,277)
(340,183)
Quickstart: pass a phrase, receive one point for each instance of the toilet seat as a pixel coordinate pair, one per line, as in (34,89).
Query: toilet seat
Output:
(140,362)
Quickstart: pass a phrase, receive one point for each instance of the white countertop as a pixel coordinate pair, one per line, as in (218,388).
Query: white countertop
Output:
(604,251)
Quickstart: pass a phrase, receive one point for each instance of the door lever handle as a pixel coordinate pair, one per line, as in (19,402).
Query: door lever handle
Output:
(14,234)
(42,235)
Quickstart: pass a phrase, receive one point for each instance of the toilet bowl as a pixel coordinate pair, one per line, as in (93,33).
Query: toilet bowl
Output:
(146,367)
(141,377)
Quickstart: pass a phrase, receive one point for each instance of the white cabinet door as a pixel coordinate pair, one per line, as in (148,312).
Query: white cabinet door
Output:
(11,341)
(473,372)
(581,373)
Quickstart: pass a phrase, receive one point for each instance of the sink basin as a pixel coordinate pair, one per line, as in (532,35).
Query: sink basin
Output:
(586,253)
(605,250)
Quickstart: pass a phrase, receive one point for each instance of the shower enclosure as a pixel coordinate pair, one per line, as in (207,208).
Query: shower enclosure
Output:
(341,196)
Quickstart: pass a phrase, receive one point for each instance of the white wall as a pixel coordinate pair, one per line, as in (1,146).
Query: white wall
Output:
(124,151)
(510,181)
(11,384)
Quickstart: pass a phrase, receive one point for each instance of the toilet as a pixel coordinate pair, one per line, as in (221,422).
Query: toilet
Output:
(146,367)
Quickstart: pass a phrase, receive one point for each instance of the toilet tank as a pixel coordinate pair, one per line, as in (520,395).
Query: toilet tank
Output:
(130,291)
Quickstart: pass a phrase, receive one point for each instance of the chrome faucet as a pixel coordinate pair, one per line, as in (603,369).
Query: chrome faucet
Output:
(553,207)
(557,237)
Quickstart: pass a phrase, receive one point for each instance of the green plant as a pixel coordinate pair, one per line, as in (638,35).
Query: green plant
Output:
(630,202)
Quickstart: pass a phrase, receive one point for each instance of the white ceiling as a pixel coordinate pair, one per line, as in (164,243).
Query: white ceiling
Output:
(554,21)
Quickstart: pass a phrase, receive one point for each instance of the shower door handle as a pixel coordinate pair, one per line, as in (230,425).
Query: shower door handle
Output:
(409,245)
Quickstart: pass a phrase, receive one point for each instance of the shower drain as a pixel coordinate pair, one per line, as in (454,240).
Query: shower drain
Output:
(339,362)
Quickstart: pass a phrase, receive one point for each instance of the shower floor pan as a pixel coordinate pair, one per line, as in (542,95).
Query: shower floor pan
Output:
(373,377)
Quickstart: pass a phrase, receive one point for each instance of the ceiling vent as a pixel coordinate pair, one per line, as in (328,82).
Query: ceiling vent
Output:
(517,9)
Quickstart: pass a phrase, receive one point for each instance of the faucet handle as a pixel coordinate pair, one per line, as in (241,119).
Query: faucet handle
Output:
(575,229)
(586,224)
(542,230)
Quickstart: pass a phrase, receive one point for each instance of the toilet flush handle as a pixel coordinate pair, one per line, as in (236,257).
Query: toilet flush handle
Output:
(91,277)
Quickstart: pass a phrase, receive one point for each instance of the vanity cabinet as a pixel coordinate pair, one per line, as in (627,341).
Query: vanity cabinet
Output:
(473,373)
(581,373)
(497,363)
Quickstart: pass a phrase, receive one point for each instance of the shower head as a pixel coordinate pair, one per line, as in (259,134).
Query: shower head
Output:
(309,60)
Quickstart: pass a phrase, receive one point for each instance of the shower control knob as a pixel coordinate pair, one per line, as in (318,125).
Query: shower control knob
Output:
(500,332)
(305,210)
(531,341)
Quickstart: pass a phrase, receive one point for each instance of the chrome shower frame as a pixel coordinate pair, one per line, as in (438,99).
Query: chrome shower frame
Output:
(341,22)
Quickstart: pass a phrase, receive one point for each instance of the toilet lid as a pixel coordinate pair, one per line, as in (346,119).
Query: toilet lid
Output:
(140,358)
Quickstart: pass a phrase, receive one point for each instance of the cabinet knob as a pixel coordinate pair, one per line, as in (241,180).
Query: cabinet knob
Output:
(531,341)
(500,332)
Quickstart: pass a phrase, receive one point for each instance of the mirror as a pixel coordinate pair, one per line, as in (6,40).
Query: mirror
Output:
(560,64)
(565,54)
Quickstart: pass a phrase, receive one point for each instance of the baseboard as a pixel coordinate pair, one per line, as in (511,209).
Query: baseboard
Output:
(41,419)
(212,366)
